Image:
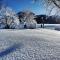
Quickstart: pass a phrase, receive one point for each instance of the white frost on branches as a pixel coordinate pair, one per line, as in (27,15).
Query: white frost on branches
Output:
(8,18)
(27,18)
(52,6)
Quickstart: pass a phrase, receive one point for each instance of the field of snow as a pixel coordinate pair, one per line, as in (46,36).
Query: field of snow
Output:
(50,26)
(29,44)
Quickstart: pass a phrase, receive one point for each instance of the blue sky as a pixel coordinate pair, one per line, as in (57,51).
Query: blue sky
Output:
(21,5)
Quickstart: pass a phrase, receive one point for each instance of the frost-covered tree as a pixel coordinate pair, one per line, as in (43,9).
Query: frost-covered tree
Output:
(52,6)
(8,18)
(55,2)
(27,19)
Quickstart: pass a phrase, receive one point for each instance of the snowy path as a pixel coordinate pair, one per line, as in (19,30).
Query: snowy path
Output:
(34,44)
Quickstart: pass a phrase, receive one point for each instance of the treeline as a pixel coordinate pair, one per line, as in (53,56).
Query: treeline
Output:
(53,19)
(10,20)
(47,19)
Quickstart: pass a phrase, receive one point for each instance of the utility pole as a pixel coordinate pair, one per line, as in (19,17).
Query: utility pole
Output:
(42,21)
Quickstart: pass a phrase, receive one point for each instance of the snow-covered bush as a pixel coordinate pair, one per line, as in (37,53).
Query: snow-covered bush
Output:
(8,18)
(27,19)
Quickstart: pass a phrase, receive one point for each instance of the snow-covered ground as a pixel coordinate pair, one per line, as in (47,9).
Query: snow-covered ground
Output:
(50,26)
(30,44)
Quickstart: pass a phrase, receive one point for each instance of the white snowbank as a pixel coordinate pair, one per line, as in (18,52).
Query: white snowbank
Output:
(35,44)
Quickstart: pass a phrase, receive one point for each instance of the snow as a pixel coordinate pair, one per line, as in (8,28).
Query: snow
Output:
(34,44)
(50,26)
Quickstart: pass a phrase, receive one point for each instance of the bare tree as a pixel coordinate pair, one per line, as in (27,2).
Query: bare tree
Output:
(50,5)
(55,2)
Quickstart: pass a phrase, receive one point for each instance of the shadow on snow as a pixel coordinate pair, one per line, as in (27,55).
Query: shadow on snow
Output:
(10,49)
